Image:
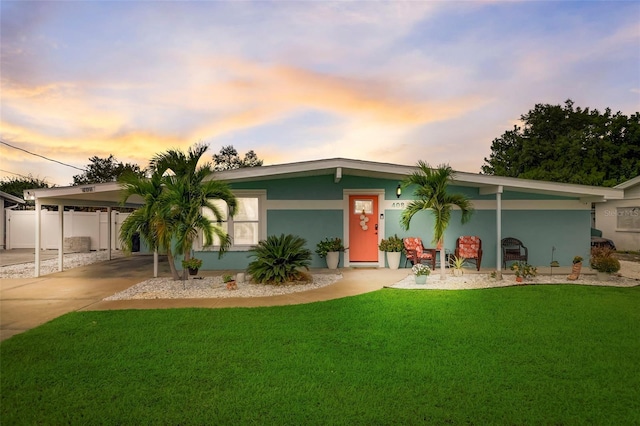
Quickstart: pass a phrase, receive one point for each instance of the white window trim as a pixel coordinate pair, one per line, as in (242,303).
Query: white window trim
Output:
(261,195)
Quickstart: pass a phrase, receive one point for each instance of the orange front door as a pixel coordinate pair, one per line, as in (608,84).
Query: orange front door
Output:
(363,228)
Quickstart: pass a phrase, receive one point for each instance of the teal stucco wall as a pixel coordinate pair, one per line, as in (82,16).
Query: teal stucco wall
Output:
(539,229)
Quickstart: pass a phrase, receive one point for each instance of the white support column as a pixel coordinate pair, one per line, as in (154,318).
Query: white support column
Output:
(61,240)
(499,232)
(155,264)
(109,219)
(38,218)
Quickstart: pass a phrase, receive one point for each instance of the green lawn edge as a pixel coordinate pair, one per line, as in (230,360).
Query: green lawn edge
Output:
(520,355)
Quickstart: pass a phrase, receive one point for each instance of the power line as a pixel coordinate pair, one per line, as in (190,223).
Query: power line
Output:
(41,156)
(31,177)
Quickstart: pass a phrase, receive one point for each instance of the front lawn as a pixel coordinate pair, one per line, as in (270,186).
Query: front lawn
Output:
(518,355)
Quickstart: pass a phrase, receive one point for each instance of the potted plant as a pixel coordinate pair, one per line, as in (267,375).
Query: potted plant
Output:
(575,268)
(421,272)
(330,248)
(457,263)
(603,262)
(192,265)
(523,270)
(230,281)
(393,247)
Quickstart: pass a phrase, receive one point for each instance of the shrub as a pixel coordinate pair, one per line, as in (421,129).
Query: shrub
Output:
(420,269)
(602,260)
(392,244)
(279,259)
(192,263)
(329,244)
(524,270)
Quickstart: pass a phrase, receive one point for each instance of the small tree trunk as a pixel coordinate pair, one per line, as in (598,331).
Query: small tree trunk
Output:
(443,274)
(172,266)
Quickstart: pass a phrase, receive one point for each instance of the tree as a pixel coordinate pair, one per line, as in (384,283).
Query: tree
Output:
(17,186)
(228,159)
(101,170)
(431,194)
(186,192)
(564,144)
(175,195)
(147,221)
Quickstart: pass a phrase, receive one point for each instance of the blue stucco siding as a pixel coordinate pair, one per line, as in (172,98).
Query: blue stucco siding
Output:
(312,225)
(318,187)
(539,230)
(566,230)
(304,188)
(540,221)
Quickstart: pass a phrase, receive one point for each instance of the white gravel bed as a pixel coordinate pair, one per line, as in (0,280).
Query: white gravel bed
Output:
(70,261)
(213,287)
(475,281)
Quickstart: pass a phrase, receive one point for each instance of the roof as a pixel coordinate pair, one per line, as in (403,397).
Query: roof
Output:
(342,166)
(10,197)
(109,194)
(628,184)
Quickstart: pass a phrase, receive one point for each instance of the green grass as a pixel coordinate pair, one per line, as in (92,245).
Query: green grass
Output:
(520,355)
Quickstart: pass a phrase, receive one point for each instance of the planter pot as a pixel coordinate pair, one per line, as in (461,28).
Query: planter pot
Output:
(519,279)
(421,279)
(193,271)
(240,277)
(333,258)
(575,271)
(458,272)
(603,276)
(393,259)
(231,285)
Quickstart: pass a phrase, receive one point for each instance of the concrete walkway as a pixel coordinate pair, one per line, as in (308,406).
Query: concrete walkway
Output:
(26,303)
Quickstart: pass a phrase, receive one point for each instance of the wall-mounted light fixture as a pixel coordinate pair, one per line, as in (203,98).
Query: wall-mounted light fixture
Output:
(398,191)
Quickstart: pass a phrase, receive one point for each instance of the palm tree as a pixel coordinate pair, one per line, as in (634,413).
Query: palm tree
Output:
(431,194)
(186,193)
(147,221)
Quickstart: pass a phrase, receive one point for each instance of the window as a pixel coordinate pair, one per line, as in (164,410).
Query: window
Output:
(363,206)
(245,228)
(628,218)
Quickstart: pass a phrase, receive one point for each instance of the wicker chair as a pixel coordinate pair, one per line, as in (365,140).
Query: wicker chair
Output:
(470,248)
(513,250)
(417,253)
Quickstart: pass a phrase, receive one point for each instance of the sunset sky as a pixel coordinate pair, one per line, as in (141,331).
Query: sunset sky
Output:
(299,80)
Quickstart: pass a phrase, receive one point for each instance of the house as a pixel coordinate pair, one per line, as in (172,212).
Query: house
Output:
(619,220)
(327,198)
(8,202)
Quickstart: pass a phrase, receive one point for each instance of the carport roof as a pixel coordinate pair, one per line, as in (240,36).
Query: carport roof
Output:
(109,194)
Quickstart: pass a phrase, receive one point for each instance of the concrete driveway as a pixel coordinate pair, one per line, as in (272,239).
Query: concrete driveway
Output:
(26,303)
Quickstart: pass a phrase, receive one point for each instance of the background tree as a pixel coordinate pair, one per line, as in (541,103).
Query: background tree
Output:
(16,186)
(228,159)
(567,144)
(431,194)
(101,170)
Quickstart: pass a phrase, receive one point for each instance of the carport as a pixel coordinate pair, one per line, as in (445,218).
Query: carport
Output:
(103,195)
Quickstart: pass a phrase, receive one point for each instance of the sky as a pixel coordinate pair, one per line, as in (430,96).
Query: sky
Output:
(393,82)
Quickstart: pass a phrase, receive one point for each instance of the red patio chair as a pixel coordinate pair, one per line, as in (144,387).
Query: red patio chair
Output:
(417,253)
(470,248)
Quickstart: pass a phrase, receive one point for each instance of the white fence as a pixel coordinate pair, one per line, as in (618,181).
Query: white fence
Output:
(21,224)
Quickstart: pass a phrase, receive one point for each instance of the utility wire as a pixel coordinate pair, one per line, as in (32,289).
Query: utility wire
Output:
(42,156)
